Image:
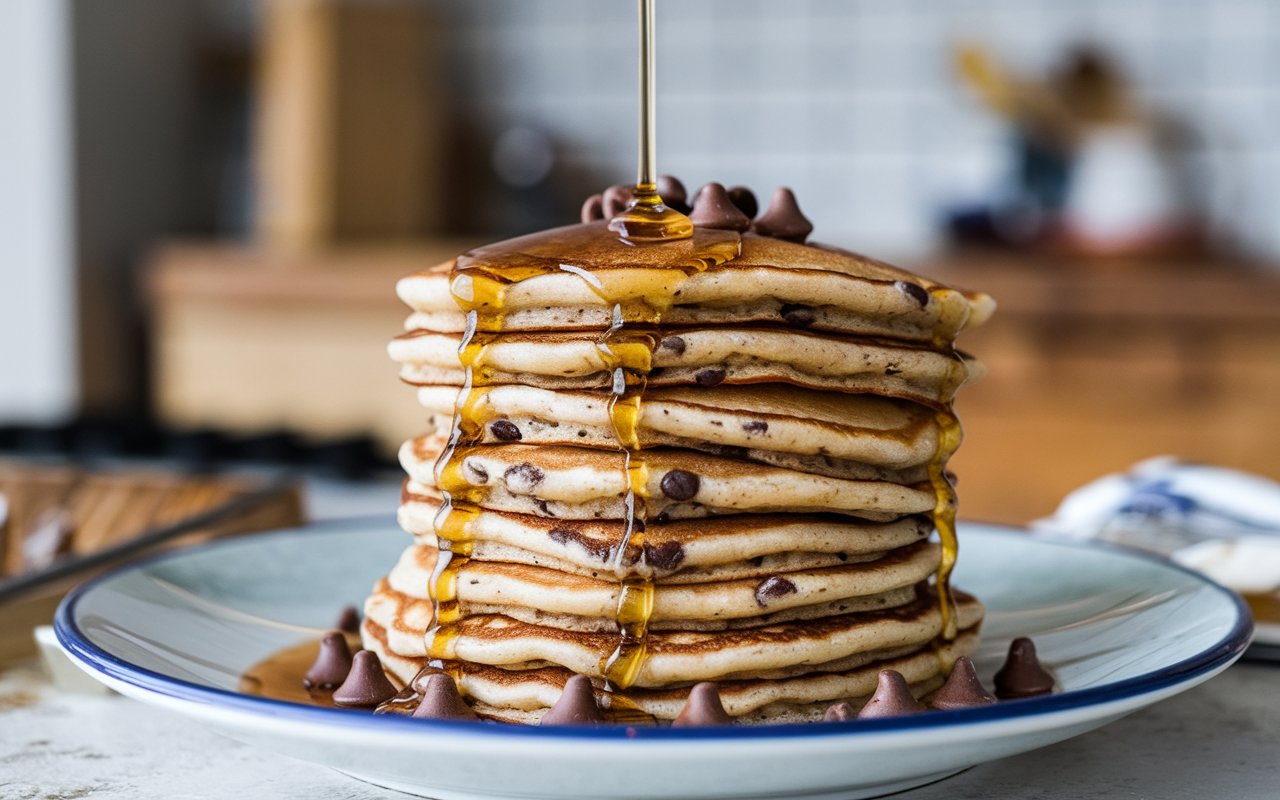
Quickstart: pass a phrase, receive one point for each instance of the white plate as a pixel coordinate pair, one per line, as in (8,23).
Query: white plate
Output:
(1121,631)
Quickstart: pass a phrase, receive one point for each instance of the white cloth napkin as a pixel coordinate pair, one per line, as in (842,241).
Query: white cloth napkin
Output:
(1218,521)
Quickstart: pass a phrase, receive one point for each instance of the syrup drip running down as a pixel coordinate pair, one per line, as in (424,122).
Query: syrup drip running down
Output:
(646,236)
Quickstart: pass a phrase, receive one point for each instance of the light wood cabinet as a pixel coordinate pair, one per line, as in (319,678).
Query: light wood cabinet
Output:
(1092,368)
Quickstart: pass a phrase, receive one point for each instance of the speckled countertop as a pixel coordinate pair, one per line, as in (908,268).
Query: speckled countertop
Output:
(1220,740)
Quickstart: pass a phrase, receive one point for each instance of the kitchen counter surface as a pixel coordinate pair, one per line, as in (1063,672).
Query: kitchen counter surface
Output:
(1220,739)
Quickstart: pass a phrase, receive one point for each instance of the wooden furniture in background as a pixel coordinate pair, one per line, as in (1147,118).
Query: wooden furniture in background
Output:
(1091,368)
(254,339)
(350,123)
(62,524)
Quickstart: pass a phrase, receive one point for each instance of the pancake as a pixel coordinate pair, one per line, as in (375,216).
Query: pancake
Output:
(771,281)
(785,420)
(693,356)
(578,483)
(584,603)
(523,695)
(672,656)
(690,550)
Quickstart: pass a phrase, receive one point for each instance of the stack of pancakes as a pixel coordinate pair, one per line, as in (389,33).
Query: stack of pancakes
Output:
(719,459)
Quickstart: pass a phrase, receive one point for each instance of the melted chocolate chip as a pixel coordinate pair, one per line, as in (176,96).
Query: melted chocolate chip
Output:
(703,708)
(755,426)
(673,193)
(730,450)
(913,290)
(679,484)
(797,315)
(783,219)
(709,377)
(962,689)
(505,430)
(440,700)
(1022,675)
(593,209)
(745,200)
(366,685)
(714,209)
(673,343)
(349,620)
(840,712)
(598,550)
(576,706)
(771,587)
(665,557)
(522,478)
(892,698)
(475,474)
(332,664)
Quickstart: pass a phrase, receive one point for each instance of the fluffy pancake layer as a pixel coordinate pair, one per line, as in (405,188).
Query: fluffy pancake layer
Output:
(694,357)
(769,282)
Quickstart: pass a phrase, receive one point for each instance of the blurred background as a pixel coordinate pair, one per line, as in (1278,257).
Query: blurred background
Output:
(204,205)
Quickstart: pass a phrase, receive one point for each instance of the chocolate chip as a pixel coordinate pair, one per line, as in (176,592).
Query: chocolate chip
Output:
(703,708)
(332,664)
(797,315)
(665,557)
(616,199)
(366,685)
(892,698)
(576,706)
(593,209)
(771,587)
(714,209)
(349,620)
(679,484)
(783,219)
(745,200)
(522,478)
(673,343)
(475,474)
(913,290)
(440,700)
(1022,675)
(962,689)
(673,193)
(755,426)
(505,430)
(840,712)
(709,377)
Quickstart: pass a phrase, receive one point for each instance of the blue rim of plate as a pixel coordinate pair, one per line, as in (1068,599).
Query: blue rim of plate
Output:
(1223,652)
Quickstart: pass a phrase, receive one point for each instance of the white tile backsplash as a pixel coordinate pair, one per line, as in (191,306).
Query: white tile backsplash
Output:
(855,103)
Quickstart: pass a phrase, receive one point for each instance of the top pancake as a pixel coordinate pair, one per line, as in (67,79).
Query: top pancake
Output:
(770,281)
